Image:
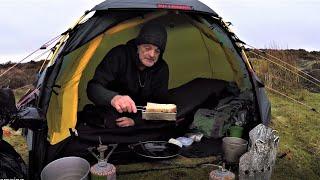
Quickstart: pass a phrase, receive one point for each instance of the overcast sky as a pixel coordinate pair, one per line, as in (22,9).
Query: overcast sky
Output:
(26,24)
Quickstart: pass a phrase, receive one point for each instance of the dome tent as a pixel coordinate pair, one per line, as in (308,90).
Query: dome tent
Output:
(200,45)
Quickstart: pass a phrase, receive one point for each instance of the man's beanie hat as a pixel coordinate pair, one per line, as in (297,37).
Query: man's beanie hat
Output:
(153,33)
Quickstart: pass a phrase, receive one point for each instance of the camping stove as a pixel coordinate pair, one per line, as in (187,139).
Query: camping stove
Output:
(103,169)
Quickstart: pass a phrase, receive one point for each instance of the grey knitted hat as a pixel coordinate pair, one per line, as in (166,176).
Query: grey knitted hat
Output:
(153,33)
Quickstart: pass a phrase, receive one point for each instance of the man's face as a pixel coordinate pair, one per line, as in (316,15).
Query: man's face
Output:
(148,54)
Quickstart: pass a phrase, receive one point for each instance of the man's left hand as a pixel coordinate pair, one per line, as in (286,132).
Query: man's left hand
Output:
(125,122)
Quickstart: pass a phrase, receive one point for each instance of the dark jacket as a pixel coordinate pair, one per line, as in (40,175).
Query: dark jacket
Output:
(118,73)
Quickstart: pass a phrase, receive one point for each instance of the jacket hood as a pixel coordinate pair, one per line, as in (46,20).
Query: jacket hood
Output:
(132,44)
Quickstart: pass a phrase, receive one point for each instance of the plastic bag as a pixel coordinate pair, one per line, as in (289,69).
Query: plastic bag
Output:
(11,163)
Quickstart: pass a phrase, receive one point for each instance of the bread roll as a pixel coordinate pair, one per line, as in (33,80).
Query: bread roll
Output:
(165,108)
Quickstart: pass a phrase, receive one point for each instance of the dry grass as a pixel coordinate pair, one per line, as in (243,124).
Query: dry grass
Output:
(277,74)
(20,75)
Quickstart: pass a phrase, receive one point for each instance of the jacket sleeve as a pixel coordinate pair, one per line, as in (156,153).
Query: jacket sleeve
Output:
(106,72)
(160,86)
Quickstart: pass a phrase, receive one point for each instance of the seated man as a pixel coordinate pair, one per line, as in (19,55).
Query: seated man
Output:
(132,74)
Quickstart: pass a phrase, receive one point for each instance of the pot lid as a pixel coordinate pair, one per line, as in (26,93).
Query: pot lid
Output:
(156,149)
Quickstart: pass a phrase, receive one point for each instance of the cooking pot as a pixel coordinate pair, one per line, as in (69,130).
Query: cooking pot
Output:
(233,148)
(67,168)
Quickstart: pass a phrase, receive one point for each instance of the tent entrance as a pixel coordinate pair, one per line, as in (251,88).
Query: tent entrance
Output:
(190,54)
(193,51)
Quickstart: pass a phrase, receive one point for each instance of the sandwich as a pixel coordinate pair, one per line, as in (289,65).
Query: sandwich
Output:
(164,108)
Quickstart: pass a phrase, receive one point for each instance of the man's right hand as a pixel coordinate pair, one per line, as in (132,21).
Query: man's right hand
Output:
(123,104)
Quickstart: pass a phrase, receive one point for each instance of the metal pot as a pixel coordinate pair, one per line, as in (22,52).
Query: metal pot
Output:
(233,148)
(67,168)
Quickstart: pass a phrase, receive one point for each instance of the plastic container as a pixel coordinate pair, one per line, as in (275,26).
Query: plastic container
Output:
(185,141)
(176,142)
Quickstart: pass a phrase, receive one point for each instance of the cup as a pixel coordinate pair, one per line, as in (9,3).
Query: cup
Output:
(235,131)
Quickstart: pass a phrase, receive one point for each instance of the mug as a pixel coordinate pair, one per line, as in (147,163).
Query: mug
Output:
(235,131)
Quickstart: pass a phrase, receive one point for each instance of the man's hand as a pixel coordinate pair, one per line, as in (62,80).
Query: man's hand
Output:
(125,122)
(123,104)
